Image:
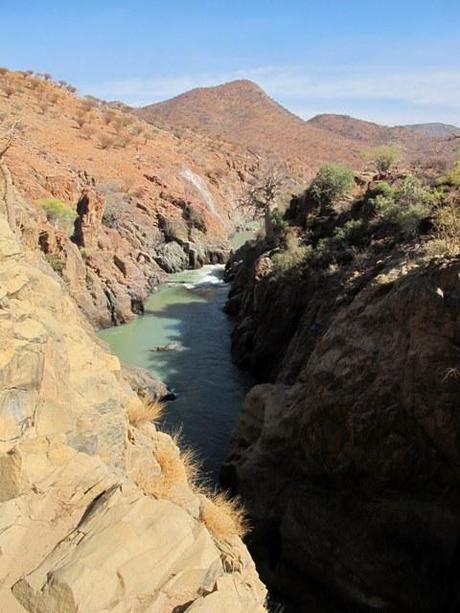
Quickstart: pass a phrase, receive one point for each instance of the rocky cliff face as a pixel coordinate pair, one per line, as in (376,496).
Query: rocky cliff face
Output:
(147,200)
(348,459)
(97,508)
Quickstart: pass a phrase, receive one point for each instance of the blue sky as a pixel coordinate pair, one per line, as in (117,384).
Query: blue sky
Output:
(386,61)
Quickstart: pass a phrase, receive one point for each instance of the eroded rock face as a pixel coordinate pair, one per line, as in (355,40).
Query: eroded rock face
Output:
(349,461)
(90,209)
(84,524)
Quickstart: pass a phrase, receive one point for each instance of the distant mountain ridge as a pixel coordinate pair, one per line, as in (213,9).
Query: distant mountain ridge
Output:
(241,112)
(436,130)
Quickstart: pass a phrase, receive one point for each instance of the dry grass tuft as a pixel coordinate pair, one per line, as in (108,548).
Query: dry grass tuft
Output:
(105,141)
(146,410)
(224,517)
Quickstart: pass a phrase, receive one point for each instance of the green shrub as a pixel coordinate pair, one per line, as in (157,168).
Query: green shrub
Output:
(85,252)
(406,206)
(452,179)
(55,262)
(286,260)
(58,213)
(382,188)
(351,233)
(277,221)
(447,230)
(333,181)
(384,157)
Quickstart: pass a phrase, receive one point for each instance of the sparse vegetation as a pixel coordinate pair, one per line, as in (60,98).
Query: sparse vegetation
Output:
(105,141)
(332,182)
(264,190)
(9,90)
(452,178)
(290,258)
(384,157)
(223,516)
(56,263)
(145,410)
(405,206)
(447,230)
(194,217)
(58,213)
(85,252)
(80,119)
(87,131)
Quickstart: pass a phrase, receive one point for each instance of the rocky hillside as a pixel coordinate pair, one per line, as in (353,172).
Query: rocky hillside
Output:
(241,112)
(136,199)
(442,130)
(99,511)
(347,453)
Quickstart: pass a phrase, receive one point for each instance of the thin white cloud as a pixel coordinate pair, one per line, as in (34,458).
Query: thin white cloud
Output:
(428,95)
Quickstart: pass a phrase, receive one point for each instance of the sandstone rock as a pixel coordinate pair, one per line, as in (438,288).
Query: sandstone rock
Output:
(90,209)
(84,525)
(144,383)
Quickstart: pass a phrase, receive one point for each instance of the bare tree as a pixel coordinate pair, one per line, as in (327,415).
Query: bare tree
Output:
(262,192)
(6,140)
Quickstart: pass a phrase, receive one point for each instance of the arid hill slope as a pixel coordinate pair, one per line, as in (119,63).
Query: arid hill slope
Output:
(243,113)
(153,200)
(97,507)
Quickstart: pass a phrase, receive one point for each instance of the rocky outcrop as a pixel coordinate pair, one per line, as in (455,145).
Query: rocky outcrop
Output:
(90,209)
(97,509)
(348,460)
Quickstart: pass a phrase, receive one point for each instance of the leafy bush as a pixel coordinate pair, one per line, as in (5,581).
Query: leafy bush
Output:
(277,221)
(452,178)
(333,181)
(286,260)
(383,157)
(58,213)
(406,206)
(351,233)
(447,229)
(382,188)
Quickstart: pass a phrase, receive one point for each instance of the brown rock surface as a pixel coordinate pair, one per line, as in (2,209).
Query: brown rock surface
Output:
(349,460)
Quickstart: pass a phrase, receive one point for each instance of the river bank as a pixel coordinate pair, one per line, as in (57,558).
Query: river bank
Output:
(187,311)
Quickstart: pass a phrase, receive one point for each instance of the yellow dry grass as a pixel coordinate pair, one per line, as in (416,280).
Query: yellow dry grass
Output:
(179,470)
(146,410)
(223,516)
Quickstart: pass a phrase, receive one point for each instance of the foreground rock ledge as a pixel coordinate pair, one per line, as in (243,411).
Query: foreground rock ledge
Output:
(82,526)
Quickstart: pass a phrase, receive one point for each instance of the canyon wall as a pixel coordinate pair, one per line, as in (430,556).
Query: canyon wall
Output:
(348,455)
(98,508)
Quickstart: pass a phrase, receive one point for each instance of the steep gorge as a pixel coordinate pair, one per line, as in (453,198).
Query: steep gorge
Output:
(347,456)
(98,508)
(148,201)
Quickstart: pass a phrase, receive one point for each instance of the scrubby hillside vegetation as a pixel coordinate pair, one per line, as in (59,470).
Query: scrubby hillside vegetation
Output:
(241,112)
(116,202)
(347,309)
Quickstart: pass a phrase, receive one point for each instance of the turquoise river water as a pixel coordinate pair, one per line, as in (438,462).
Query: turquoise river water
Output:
(210,389)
